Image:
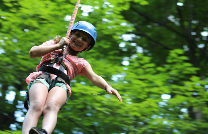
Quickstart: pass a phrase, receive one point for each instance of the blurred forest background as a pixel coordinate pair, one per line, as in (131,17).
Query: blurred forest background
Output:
(153,51)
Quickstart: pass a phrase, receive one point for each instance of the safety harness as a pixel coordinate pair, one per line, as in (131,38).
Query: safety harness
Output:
(47,68)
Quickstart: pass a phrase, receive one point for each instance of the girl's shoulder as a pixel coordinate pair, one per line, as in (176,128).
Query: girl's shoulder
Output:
(77,60)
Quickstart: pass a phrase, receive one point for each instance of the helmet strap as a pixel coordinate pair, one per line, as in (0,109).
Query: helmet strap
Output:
(87,48)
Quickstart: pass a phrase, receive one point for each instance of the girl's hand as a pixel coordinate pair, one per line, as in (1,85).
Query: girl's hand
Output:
(113,91)
(63,41)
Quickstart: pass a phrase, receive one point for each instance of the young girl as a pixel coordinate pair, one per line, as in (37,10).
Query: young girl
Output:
(49,87)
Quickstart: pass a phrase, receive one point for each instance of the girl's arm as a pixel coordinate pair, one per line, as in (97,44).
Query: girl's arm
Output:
(99,81)
(38,51)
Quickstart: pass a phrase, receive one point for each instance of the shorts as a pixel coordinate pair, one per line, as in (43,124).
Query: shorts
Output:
(47,84)
(44,82)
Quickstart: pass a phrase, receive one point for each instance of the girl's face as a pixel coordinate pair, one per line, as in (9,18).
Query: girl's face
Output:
(79,41)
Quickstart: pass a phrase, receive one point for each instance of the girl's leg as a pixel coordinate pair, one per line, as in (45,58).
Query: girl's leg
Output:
(37,97)
(56,99)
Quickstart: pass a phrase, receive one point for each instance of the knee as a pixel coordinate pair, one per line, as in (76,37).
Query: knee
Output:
(51,106)
(36,106)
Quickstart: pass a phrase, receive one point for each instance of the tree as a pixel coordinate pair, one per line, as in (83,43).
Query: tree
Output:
(145,88)
(162,26)
(143,83)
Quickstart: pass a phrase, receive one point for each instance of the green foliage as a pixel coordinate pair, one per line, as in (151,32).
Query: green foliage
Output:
(162,26)
(143,90)
(162,90)
(10,132)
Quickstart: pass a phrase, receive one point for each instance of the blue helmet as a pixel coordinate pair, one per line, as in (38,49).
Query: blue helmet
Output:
(88,28)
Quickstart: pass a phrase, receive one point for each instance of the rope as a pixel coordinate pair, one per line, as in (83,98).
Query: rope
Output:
(72,19)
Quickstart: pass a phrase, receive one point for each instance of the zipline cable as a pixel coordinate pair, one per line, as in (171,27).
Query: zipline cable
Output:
(72,19)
